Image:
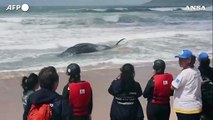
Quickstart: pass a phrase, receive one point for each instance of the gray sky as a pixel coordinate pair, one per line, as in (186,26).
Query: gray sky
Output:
(72,2)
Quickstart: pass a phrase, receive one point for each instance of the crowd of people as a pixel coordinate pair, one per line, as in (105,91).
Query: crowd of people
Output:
(192,92)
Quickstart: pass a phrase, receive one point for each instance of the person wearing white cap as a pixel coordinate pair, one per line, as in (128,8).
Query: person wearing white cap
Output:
(187,89)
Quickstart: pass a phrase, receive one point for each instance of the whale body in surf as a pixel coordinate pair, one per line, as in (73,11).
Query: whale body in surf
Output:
(86,48)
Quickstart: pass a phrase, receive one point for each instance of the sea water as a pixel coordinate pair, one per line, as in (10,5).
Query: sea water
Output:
(34,39)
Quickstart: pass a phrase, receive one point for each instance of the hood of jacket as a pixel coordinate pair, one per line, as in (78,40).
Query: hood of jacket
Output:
(44,96)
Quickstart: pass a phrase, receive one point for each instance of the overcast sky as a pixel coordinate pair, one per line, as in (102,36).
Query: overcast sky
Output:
(72,2)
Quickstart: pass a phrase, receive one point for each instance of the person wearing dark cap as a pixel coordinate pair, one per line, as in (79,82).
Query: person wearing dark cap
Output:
(126,91)
(204,66)
(79,94)
(187,89)
(207,86)
(158,92)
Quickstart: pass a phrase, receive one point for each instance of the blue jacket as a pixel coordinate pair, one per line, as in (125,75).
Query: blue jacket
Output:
(60,110)
(125,105)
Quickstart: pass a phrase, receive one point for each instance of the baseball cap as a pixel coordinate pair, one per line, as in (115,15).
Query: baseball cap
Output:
(203,55)
(185,54)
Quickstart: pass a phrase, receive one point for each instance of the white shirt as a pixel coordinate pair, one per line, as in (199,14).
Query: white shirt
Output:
(187,95)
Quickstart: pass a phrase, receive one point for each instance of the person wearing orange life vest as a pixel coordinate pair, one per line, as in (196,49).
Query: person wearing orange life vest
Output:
(79,94)
(158,92)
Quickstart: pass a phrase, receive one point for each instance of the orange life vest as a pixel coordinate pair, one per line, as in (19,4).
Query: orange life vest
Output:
(79,97)
(162,88)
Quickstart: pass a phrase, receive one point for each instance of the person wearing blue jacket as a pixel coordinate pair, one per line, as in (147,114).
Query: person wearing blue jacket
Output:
(126,91)
(49,80)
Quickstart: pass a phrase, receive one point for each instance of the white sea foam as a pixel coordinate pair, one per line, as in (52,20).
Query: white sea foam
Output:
(163,9)
(32,41)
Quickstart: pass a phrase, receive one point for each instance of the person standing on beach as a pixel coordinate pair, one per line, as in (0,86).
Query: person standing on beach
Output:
(158,92)
(46,103)
(204,66)
(125,104)
(207,86)
(187,89)
(79,94)
(29,85)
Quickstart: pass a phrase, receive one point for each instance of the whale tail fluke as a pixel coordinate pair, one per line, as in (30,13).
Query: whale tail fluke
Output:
(119,42)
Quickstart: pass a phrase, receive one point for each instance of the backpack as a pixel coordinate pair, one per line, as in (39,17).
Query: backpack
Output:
(40,112)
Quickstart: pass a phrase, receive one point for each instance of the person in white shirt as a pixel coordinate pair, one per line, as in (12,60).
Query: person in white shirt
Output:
(187,89)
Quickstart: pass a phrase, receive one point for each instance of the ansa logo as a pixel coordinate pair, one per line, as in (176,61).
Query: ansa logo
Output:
(195,8)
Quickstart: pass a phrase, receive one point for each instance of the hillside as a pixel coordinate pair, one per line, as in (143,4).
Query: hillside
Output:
(177,3)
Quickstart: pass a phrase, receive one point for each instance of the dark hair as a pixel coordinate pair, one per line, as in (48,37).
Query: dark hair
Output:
(193,60)
(127,77)
(205,62)
(48,77)
(159,66)
(74,70)
(29,83)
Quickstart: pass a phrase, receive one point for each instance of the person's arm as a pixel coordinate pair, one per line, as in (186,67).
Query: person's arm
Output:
(66,111)
(139,89)
(111,89)
(27,108)
(90,106)
(179,81)
(211,74)
(148,91)
(65,93)
(172,92)
(173,87)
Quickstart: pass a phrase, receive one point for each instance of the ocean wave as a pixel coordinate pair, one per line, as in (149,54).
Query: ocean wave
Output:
(163,9)
(136,9)
(90,22)
(135,19)
(109,20)
(86,10)
(128,19)
(3,21)
(39,21)
(116,9)
(11,19)
(109,9)
(133,51)
(34,41)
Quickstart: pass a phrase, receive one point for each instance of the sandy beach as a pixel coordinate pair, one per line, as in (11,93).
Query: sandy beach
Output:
(100,79)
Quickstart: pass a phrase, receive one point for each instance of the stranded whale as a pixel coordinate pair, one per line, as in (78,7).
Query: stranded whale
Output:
(86,48)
